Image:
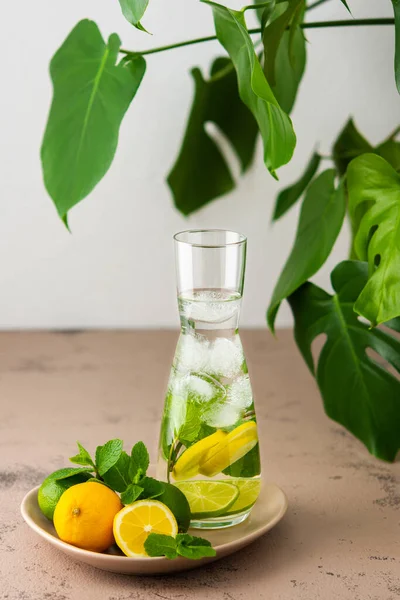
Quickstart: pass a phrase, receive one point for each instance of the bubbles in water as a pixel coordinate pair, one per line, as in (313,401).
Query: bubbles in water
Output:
(240,393)
(225,357)
(209,306)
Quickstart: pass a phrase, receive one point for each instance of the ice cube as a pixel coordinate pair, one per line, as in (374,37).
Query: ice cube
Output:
(202,391)
(192,353)
(225,357)
(240,393)
(222,415)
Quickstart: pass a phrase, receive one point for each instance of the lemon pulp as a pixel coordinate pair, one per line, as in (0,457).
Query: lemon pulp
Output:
(134,523)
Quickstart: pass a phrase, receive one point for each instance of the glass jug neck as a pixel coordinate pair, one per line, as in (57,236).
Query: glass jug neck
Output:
(208,311)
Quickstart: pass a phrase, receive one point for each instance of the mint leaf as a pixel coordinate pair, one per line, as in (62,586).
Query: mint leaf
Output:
(151,488)
(118,476)
(193,547)
(190,429)
(68,472)
(131,493)
(158,544)
(140,461)
(108,455)
(83,458)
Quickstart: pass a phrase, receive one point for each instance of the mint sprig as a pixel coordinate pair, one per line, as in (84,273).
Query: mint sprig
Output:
(108,455)
(183,544)
(140,461)
(83,458)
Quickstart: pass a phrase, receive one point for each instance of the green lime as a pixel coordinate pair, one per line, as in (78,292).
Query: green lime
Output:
(249,490)
(209,498)
(52,489)
(178,505)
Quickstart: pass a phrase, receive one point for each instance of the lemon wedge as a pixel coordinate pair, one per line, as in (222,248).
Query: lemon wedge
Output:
(134,523)
(187,465)
(233,446)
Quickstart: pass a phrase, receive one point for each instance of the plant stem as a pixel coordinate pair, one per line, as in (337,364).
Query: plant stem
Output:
(312,25)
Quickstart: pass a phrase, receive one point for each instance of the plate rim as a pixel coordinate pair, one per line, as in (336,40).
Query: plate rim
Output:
(80,552)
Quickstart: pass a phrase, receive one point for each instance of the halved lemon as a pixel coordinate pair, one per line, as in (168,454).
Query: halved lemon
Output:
(209,499)
(134,523)
(233,446)
(187,465)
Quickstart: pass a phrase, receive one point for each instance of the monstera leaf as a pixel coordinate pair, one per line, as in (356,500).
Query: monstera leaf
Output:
(374,188)
(349,144)
(274,124)
(321,219)
(272,37)
(358,390)
(289,196)
(201,172)
(133,11)
(290,63)
(91,96)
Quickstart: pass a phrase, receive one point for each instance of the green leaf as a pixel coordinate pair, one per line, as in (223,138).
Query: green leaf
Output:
(83,458)
(274,124)
(373,181)
(108,455)
(396,9)
(193,547)
(131,493)
(139,462)
(358,390)
(158,544)
(264,11)
(349,145)
(68,472)
(91,95)
(390,151)
(152,488)
(190,429)
(216,100)
(133,11)
(289,68)
(320,222)
(118,476)
(272,37)
(344,2)
(289,196)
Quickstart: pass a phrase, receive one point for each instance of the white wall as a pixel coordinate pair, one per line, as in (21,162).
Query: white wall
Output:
(116,270)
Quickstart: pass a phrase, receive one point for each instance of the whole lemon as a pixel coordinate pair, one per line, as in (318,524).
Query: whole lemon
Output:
(84,516)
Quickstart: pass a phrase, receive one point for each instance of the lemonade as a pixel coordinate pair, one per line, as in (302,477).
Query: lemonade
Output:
(208,442)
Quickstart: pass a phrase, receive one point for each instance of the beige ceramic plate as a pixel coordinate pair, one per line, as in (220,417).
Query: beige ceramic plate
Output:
(267,512)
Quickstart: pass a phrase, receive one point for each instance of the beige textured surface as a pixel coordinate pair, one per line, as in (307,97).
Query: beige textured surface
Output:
(339,540)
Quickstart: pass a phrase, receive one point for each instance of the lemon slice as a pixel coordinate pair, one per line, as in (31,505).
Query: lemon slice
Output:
(187,465)
(233,446)
(134,523)
(209,498)
(249,490)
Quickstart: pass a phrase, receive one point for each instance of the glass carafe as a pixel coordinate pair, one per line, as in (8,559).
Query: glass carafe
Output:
(208,441)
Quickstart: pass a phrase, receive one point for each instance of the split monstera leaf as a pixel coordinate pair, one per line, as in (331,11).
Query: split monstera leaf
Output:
(247,93)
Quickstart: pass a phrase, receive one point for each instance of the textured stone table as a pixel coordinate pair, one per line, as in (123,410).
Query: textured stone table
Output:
(339,540)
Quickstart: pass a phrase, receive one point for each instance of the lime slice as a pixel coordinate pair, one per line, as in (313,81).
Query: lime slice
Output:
(209,498)
(249,490)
